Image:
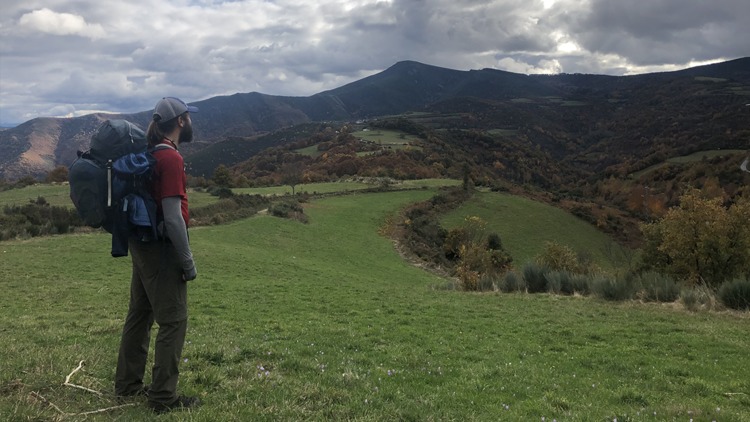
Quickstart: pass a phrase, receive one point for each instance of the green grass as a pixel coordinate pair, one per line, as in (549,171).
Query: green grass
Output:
(391,139)
(709,79)
(525,225)
(201,199)
(55,194)
(59,195)
(305,188)
(311,151)
(385,137)
(502,132)
(343,186)
(698,156)
(573,103)
(324,321)
(687,159)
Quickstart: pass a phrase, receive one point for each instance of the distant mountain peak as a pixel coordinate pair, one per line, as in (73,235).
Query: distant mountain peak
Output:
(405,86)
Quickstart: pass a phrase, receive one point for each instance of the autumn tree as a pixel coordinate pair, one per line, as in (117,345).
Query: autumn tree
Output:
(700,240)
(291,175)
(222,177)
(58,175)
(479,253)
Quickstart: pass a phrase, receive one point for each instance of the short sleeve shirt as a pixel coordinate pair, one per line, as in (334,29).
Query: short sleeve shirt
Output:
(169,179)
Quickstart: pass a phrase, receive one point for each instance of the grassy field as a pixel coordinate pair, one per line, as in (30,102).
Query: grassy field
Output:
(324,321)
(686,159)
(525,225)
(391,139)
(333,187)
(57,195)
(311,151)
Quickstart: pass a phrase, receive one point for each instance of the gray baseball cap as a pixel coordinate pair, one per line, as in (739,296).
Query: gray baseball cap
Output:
(170,107)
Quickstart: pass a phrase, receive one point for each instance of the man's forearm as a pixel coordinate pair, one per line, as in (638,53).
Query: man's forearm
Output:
(176,231)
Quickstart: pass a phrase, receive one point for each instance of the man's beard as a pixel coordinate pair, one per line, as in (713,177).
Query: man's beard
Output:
(186,134)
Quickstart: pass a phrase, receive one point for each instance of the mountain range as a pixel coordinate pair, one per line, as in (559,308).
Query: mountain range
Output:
(594,122)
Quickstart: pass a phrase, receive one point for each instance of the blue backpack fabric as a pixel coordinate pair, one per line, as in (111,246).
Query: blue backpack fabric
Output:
(109,184)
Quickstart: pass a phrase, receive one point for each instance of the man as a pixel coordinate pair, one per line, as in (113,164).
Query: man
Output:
(161,269)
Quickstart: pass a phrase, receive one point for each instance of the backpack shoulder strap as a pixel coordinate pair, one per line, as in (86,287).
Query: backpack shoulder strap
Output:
(160,146)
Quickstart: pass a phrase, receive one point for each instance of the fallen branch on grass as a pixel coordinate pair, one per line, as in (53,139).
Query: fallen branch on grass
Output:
(69,384)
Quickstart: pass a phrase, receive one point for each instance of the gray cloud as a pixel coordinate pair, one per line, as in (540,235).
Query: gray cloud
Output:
(60,57)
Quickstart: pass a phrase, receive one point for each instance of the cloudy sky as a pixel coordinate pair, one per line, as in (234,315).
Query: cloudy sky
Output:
(71,57)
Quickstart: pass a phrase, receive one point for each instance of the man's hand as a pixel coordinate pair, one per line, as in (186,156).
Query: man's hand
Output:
(190,274)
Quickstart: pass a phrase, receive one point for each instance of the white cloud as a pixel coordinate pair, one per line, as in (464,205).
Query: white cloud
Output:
(516,66)
(47,21)
(119,55)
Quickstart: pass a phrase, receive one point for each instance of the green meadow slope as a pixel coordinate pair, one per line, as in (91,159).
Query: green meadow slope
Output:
(525,226)
(324,321)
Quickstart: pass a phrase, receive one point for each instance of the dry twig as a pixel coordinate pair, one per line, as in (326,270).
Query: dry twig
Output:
(69,384)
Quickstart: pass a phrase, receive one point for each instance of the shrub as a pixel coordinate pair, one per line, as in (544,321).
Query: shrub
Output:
(690,299)
(288,209)
(559,282)
(613,288)
(473,265)
(500,260)
(468,278)
(511,282)
(553,281)
(561,258)
(735,294)
(486,283)
(453,241)
(494,242)
(658,287)
(228,209)
(581,284)
(533,275)
(698,296)
(36,218)
(221,192)
(208,211)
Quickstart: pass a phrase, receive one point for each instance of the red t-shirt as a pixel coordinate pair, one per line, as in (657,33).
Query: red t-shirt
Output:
(169,179)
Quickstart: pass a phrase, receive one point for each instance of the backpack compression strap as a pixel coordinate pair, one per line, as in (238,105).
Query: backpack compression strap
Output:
(109,184)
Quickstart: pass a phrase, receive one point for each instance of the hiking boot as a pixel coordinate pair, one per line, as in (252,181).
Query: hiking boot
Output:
(182,403)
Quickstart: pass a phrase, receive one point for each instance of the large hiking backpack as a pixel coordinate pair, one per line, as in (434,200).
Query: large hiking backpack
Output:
(108,184)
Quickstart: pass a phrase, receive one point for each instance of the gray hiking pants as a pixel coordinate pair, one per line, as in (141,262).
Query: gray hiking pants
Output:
(157,293)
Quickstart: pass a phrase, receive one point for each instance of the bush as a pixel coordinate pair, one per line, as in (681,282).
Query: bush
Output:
(559,282)
(468,278)
(581,284)
(37,218)
(454,238)
(494,242)
(613,288)
(699,296)
(658,287)
(288,209)
(511,283)
(228,209)
(486,283)
(562,258)
(221,192)
(735,294)
(533,275)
